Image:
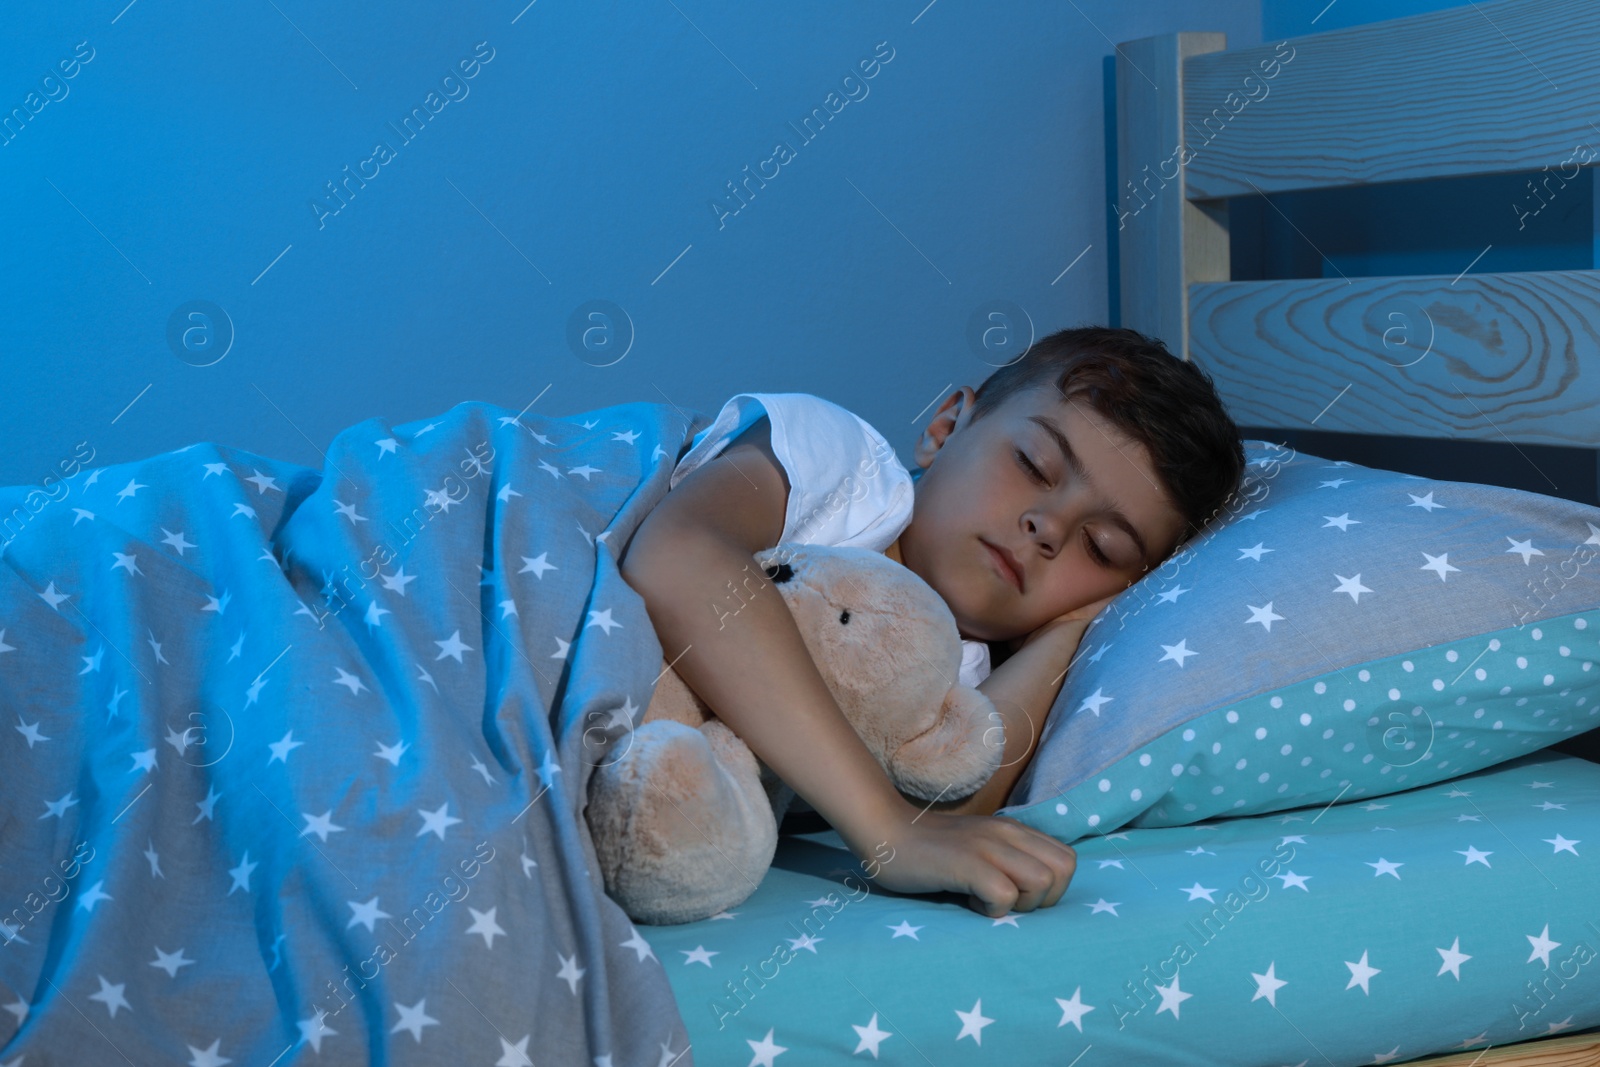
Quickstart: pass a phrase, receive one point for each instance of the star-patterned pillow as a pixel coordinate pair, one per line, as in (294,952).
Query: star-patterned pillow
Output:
(1338,631)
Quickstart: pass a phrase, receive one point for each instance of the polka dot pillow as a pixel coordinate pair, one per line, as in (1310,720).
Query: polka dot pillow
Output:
(1337,632)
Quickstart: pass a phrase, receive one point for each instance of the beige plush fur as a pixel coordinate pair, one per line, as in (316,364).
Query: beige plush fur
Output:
(685,817)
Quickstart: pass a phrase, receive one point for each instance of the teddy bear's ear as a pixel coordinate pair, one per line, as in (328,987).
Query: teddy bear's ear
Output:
(957,754)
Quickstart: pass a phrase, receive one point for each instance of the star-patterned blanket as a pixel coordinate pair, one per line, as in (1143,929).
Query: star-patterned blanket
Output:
(293,760)
(1455,916)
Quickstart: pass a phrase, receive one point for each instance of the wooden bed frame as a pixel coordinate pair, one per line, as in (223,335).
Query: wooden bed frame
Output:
(1482,88)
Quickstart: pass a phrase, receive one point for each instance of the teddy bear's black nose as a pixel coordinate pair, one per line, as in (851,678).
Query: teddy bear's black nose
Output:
(844,616)
(780,574)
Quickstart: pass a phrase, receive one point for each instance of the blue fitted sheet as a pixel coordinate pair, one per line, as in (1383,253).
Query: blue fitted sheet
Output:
(1170,944)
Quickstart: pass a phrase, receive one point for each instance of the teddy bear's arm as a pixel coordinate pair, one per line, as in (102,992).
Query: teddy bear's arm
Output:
(1023,688)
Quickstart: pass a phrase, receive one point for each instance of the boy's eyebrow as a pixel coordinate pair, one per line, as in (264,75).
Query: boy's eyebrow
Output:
(1082,472)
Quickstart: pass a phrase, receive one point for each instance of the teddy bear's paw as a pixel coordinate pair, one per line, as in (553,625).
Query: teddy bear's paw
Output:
(682,826)
(957,755)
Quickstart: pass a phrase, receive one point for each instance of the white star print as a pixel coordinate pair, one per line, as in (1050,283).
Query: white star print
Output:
(393,752)
(1198,892)
(537,565)
(398,580)
(640,946)
(1255,552)
(170,962)
(53,598)
(1439,564)
(1383,867)
(111,995)
(1178,652)
(313,1030)
(603,620)
(348,511)
(348,680)
(321,825)
(506,493)
(1267,985)
(483,923)
(514,1055)
(213,468)
(58,808)
(281,749)
(1104,905)
(437,821)
(1073,1011)
(1171,596)
(1561,844)
(764,1051)
(386,445)
(207,1057)
(1524,548)
(1474,856)
(366,914)
(804,941)
(871,1037)
(1334,484)
(570,971)
(905,929)
(561,649)
(973,1022)
(129,490)
(413,1019)
(241,874)
(144,761)
(1171,997)
(1095,701)
(1264,616)
(452,647)
(206,806)
(1352,586)
(630,436)
(1453,959)
(1112,863)
(1361,973)
(698,955)
(584,470)
(263,483)
(1424,502)
(1343,522)
(375,614)
(29,730)
(1542,946)
(91,664)
(1294,881)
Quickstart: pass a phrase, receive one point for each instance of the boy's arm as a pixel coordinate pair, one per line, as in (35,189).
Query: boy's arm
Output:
(755,671)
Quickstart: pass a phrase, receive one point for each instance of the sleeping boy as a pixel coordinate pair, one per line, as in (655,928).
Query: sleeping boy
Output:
(1039,497)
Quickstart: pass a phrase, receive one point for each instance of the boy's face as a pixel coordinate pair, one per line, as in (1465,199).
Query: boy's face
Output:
(975,491)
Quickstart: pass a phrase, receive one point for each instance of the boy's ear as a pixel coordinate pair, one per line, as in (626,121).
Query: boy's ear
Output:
(953,414)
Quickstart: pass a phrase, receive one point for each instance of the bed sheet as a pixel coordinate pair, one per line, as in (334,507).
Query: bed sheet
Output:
(1450,917)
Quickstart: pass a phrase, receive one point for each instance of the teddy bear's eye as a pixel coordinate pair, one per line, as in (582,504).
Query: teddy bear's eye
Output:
(844,616)
(780,573)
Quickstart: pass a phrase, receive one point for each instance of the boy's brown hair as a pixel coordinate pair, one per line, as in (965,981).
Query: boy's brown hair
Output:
(1167,404)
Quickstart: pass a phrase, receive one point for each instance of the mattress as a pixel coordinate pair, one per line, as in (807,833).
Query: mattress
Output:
(1451,917)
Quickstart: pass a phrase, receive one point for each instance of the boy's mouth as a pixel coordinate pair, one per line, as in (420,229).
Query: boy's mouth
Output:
(1005,563)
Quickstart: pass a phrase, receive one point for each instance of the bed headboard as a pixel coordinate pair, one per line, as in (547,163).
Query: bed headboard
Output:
(1487,87)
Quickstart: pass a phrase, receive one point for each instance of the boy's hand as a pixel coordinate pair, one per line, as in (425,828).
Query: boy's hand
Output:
(1001,864)
(1078,617)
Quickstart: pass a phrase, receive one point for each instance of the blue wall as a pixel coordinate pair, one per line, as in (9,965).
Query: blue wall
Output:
(185,159)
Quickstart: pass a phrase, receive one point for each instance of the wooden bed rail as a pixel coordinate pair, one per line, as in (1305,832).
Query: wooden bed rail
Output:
(1475,89)
(1493,357)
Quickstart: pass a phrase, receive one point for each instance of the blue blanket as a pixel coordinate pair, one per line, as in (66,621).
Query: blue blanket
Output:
(294,761)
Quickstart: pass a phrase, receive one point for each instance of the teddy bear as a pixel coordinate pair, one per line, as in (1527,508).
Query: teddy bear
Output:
(683,815)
